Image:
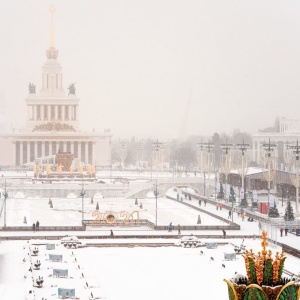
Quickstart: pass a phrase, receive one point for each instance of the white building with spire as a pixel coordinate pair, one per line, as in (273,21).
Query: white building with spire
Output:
(52,123)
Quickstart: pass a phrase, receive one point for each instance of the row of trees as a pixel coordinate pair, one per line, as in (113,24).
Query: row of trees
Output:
(178,153)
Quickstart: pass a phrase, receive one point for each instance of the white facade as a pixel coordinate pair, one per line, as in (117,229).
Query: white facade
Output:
(53,124)
(286,132)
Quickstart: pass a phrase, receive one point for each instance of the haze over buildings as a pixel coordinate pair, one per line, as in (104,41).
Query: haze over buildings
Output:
(158,68)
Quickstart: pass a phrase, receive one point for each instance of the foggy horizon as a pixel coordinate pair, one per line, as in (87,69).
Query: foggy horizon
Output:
(157,69)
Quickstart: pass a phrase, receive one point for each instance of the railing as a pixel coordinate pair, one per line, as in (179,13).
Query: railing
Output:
(44,228)
(130,223)
(232,225)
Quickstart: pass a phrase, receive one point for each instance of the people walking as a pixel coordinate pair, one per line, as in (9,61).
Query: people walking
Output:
(281,231)
(204,202)
(229,214)
(224,233)
(178,227)
(37,226)
(33,227)
(170,227)
(243,216)
(199,202)
(286,231)
(111,233)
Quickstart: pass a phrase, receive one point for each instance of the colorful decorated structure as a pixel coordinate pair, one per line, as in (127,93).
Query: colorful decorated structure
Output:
(264,279)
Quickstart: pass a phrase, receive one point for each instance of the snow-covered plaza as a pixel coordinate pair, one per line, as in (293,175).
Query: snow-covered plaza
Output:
(115,268)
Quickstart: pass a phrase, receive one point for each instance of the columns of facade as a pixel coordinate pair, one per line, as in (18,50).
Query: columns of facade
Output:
(21,153)
(64,146)
(51,148)
(14,151)
(79,150)
(28,151)
(94,153)
(35,153)
(62,112)
(42,112)
(86,146)
(72,147)
(43,149)
(49,112)
(55,112)
(70,112)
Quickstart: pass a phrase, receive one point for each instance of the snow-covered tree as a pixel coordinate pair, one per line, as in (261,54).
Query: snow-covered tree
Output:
(231,195)
(289,214)
(221,193)
(273,212)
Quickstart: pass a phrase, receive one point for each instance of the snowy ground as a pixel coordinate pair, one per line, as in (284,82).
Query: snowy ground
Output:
(121,272)
(124,273)
(67,212)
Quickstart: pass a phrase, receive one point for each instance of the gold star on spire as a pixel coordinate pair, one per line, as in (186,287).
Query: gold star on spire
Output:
(52,10)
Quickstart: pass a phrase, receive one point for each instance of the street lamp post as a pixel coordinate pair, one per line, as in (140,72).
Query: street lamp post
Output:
(140,155)
(295,178)
(82,194)
(5,197)
(157,148)
(200,161)
(209,147)
(156,194)
(123,153)
(269,162)
(243,147)
(226,163)
(216,178)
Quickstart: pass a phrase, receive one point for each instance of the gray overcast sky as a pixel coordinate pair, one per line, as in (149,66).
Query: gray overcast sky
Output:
(158,68)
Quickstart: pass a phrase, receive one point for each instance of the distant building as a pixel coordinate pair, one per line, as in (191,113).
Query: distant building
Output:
(284,132)
(53,123)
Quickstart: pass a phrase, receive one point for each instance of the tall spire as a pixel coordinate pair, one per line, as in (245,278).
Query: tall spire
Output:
(52,11)
(52,52)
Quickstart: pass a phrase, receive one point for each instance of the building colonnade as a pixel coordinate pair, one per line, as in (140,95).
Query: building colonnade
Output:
(29,151)
(52,112)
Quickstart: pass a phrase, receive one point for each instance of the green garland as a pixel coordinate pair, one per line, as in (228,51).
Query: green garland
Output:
(281,268)
(252,278)
(268,273)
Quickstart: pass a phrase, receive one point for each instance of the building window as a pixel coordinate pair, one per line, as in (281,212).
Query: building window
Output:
(75,149)
(90,152)
(17,153)
(59,112)
(67,112)
(53,148)
(83,152)
(45,112)
(61,147)
(38,112)
(32,156)
(74,112)
(46,148)
(39,149)
(69,147)
(52,112)
(24,152)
